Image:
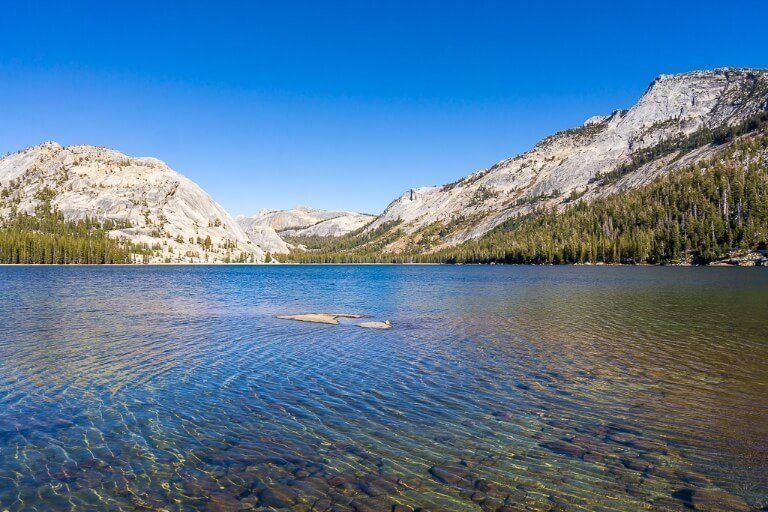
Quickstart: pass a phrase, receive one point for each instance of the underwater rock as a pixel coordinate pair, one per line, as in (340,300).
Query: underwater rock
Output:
(478,497)
(322,505)
(224,503)
(715,500)
(278,497)
(378,486)
(638,443)
(484,485)
(565,448)
(375,325)
(409,483)
(370,505)
(712,500)
(635,464)
(448,475)
(341,480)
(503,415)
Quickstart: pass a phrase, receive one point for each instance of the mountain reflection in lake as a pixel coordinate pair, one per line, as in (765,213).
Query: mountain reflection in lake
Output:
(497,389)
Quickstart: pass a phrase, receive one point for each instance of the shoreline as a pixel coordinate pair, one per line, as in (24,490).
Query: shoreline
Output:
(140,265)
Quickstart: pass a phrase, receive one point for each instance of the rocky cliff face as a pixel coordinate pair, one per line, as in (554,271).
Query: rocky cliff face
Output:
(262,234)
(267,226)
(569,163)
(166,211)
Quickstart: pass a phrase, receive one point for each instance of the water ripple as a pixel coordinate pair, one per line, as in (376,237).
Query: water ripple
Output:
(498,389)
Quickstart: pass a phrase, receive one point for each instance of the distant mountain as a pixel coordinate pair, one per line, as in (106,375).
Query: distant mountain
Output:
(570,163)
(161,212)
(268,227)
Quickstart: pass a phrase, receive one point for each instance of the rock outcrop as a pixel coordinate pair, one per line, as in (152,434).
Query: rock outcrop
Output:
(175,219)
(268,226)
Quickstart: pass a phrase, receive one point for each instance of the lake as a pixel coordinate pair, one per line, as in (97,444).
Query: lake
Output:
(498,388)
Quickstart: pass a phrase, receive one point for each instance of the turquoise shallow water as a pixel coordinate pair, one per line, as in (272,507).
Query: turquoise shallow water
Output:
(498,388)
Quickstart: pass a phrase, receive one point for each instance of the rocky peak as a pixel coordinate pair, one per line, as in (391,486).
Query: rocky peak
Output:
(595,120)
(49,145)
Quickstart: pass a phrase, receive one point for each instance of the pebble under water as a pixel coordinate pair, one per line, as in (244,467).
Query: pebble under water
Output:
(496,389)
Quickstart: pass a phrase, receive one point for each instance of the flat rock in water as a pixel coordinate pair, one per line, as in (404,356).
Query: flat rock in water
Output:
(375,325)
(319,318)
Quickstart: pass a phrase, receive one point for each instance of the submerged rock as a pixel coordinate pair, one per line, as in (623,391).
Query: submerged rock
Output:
(376,487)
(449,475)
(224,503)
(376,325)
(484,485)
(637,442)
(409,483)
(712,500)
(503,415)
(635,464)
(565,448)
(277,497)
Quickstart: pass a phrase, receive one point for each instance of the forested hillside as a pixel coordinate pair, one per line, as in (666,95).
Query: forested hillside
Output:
(702,213)
(46,237)
(687,115)
(171,219)
(698,214)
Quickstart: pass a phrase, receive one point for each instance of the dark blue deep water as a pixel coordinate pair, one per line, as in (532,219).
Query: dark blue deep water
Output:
(497,388)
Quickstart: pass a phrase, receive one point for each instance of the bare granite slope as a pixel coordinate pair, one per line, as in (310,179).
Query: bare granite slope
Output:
(166,210)
(568,163)
(266,227)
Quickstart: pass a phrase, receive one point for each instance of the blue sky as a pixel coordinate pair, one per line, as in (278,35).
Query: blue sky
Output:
(342,104)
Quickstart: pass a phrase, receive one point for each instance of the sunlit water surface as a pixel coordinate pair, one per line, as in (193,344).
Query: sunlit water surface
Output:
(498,388)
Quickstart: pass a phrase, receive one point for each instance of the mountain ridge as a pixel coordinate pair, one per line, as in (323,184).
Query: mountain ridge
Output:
(679,121)
(567,161)
(270,228)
